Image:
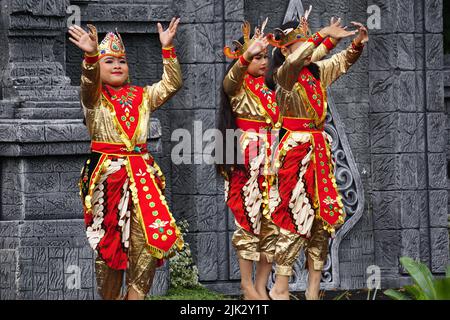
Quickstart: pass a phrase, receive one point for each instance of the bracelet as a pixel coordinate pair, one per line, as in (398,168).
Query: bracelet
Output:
(244,61)
(329,43)
(357,47)
(91,55)
(316,38)
(169,52)
(91,59)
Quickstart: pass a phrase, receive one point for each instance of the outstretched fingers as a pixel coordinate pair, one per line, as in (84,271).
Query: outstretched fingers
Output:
(93,32)
(160,28)
(171,23)
(74,35)
(337,23)
(80,30)
(360,26)
(357,24)
(75,42)
(175,25)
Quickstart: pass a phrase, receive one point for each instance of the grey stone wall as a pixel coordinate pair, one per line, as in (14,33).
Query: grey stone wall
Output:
(447,108)
(408,103)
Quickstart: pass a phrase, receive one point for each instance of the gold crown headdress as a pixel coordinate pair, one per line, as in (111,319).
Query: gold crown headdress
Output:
(112,45)
(290,36)
(242,47)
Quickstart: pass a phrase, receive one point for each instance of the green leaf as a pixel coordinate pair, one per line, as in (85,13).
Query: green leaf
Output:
(421,276)
(341,296)
(442,289)
(447,275)
(414,291)
(395,295)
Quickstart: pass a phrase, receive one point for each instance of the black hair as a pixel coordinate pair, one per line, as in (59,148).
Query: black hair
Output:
(278,59)
(226,121)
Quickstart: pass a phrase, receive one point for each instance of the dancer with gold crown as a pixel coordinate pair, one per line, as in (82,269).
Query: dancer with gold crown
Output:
(310,207)
(251,108)
(129,224)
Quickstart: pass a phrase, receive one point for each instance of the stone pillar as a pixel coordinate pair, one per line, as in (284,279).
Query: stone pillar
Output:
(408,137)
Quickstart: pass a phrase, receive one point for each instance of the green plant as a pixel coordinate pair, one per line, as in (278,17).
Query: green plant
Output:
(342,296)
(183,271)
(425,287)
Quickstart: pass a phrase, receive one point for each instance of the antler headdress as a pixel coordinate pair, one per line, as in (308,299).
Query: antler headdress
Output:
(290,36)
(242,47)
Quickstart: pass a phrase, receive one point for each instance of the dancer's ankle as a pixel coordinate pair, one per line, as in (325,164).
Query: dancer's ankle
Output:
(249,292)
(263,294)
(278,293)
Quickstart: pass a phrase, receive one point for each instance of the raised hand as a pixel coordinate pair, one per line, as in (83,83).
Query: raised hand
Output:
(258,45)
(166,37)
(335,30)
(363,34)
(88,42)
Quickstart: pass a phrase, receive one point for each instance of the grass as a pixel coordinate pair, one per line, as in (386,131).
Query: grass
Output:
(197,293)
(202,293)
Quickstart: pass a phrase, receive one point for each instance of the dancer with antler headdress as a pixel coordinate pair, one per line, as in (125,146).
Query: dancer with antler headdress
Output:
(251,108)
(310,207)
(129,224)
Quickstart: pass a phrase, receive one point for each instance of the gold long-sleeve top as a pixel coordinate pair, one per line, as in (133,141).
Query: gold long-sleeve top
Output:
(100,117)
(289,92)
(244,102)
(324,49)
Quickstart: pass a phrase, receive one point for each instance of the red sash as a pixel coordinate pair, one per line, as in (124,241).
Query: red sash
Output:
(151,206)
(266,96)
(252,125)
(126,102)
(330,204)
(330,207)
(315,96)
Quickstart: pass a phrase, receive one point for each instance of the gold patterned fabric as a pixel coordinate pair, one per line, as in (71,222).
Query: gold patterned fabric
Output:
(255,247)
(139,274)
(287,250)
(318,245)
(244,102)
(322,50)
(99,118)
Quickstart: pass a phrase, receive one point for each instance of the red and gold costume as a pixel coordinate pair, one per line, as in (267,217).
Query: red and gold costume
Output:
(310,206)
(258,118)
(128,221)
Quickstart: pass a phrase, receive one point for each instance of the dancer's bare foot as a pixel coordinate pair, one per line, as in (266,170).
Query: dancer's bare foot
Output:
(263,294)
(134,295)
(310,296)
(278,295)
